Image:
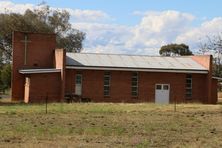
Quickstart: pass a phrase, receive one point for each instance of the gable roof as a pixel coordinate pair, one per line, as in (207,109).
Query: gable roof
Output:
(133,63)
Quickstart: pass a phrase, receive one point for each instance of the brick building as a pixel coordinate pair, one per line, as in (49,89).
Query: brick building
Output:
(41,71)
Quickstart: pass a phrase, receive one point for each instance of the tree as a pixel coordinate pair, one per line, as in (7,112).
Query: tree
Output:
(43,20)
(213,45)
(175,50)
(5,77)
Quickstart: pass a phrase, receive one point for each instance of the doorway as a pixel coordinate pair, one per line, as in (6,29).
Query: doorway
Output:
(78,87)
(162,93)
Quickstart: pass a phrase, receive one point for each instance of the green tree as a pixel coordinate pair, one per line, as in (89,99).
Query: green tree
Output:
(5,77)
(43,20)
(175,50)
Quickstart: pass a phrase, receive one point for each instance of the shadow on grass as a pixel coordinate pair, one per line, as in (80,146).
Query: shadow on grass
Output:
(8,102)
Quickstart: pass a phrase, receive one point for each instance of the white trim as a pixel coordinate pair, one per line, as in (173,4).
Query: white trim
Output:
(139,69)
(218,78)
(30,71)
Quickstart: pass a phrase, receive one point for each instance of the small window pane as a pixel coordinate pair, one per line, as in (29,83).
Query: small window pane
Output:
(134,79)
(188,96)
(188,80)
(134,93)
(165,87)
(106,82)
(106,93)
(188,85)
(188,90)
(134,83)
(134,88)
(106,78)
(107,73)
(106,88)
(78,79)
(159,87)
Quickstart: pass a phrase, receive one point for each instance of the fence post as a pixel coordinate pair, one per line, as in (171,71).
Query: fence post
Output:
(175,104)
(46,104)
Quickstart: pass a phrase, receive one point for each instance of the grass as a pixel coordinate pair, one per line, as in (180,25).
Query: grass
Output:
(110,125)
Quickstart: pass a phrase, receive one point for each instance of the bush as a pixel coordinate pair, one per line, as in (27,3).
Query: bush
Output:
(5,77)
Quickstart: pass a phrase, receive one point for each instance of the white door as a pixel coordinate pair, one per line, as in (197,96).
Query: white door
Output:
(162,93)
(78,88)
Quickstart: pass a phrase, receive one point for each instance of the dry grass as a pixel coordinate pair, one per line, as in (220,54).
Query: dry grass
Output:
(111,125)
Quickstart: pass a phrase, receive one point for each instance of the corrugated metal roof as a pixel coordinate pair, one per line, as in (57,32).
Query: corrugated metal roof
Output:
(132,61)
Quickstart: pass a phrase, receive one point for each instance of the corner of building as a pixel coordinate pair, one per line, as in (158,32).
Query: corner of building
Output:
(207,62)
(60,63)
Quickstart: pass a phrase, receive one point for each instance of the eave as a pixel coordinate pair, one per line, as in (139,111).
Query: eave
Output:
(33,71)
(138,69)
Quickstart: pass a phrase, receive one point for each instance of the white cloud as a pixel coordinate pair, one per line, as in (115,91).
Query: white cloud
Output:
(8,6)
(146,37)
(198,34)
(155,29)
(161,27)
(88,15)
(104,37)
(76,14)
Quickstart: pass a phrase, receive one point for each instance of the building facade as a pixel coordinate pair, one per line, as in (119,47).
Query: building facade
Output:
(41,72)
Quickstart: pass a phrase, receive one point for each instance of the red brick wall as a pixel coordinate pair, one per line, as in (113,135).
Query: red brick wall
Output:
(43,85)
(214,91)
(70,81)
(199,87)
(206,61)
(120,90)
(40,54)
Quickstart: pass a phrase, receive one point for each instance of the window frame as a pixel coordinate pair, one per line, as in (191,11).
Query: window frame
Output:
(134,84)
(189,89)
(80,80)
(106,87)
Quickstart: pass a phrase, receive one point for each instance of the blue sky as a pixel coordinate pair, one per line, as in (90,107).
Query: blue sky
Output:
(122,10)
(135,26)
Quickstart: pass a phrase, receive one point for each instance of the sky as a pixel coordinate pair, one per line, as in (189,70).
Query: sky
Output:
(135,26)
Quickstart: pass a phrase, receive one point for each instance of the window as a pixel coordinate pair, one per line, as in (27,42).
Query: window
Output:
(188,86)
(78,79)
(106,84)
(158,87)
(165,87)
(78,85)
(134,85)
